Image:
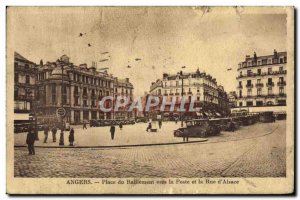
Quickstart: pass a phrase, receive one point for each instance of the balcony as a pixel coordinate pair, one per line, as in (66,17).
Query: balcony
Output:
(259,85)
(270,84)
(85,96)
(176,93)
(281,83)
(93,96)
(279,72)
(24,97)
(171,94)
(249,86)
(240,87)
(76,94)
(282,94)
(190,93)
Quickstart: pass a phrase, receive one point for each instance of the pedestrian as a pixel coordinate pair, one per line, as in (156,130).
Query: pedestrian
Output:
(71,137)
(176,121)
(84,126)
(46,130)
(54,130)
(159,124)
(112,131)
(121,126)
(231,126)
(185,136)
(149,127)
(30,140)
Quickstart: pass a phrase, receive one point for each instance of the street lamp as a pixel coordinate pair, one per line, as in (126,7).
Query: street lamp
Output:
(61,138)
(181,76)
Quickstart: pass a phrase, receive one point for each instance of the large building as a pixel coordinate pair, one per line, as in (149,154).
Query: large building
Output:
(24,90)
(261,83)
(57,84)
(123,89)
(209,97)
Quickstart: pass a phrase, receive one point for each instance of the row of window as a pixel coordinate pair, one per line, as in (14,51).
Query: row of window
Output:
(186,82)
(260,62)
(261,103)
(258,81)
(259,71)
(259,91)
(91,80)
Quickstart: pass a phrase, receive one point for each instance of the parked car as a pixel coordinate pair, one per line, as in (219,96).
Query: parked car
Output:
(94,123)
(141,119)
(281,116)
(198,128)
(266,117)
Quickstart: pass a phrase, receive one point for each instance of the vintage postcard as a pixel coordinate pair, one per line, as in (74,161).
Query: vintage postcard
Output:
(150,100)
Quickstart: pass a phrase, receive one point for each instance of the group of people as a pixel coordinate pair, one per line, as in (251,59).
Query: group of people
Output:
(32,136)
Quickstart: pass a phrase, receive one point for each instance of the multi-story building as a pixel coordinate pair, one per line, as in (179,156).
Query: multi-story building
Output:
(261,82)
(209,96)
(123,89)
(76,88)
(24,90)
(232,96)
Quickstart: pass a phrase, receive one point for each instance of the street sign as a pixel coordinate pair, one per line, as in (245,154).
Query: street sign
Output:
(61,112)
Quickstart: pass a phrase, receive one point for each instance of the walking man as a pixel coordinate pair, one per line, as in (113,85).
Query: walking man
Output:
(84,126)
(112,132)
(121,126)
(71,137)
(30,140)
(46,130)
(159,124)
(54,130)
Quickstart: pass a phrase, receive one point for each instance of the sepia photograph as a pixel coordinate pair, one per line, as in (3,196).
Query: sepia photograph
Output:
(150,100)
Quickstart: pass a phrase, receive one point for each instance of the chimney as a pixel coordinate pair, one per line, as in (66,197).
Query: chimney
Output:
(275,53)
(254,56)
(127,80)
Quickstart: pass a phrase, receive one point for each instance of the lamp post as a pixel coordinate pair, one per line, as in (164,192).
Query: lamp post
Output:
(181,76)
(61,138)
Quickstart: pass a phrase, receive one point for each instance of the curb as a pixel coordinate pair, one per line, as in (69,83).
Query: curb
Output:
(115,146)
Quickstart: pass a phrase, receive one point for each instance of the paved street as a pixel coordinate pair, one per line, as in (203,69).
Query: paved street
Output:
(254,151)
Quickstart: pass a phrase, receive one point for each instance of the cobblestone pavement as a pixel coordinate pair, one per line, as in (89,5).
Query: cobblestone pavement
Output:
(262,156)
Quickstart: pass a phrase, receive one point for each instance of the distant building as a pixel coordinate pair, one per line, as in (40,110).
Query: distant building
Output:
(123,88)
(232,97)
(24,86)
(61,83)
(209,96)
(261,83)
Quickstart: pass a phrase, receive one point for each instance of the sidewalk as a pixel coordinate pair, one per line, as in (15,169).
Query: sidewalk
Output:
(130,135)
(136,135)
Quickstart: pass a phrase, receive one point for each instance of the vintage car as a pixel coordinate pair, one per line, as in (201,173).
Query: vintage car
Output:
(266,117)
(141,119)
(281,116)
(94,123)
(198,128)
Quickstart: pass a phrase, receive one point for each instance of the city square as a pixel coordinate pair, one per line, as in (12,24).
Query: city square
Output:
(161,93)
(243,153)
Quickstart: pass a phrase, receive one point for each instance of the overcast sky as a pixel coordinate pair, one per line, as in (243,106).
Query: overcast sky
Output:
(164,39)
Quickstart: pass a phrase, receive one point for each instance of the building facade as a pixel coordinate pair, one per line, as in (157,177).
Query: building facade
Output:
(209,97)
(78,89)
(123,89)
(24,86)
(261,82)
